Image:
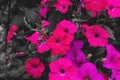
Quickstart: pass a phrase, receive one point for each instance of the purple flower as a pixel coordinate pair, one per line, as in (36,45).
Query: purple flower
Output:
(88,71)
(112,54)
(75,54)
(77,44)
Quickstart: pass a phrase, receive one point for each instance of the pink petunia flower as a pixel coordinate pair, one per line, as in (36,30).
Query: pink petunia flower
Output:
(34,38)
(113,8)
(67,26)
(59,42)
(62,5)
(97,36)
(11,32)
(43,11)
(95,6)
(62,69)
(34,67)
(88,71)
(112,55)
(45,23)
(42,48)
(85,27)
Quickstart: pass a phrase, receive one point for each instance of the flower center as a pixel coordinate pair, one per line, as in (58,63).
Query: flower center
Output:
(87,78)
(80,64)
(84,30)
(57,41)
(111,7)
(74,54)
(111,59)
(63,7)
(34,66)
(66,30)
(62,71)
(97,35)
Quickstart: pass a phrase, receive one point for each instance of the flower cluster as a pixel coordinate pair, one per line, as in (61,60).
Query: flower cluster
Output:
(72,44)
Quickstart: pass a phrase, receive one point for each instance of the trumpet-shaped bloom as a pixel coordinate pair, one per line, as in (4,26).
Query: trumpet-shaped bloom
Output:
(95,6)
(62,69)
(62,5)
(42,48)
(45,23)
(75,54)
(59,42)
(113,8)
(43,11)
(88,71)
(11,32)
(67,26)
(34,38)
(112,58)
(97,36)
(34,67)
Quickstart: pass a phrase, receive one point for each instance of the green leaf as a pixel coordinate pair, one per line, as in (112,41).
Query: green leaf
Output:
(111,33)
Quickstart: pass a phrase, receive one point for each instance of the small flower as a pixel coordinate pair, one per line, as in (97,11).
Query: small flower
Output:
(59,42)
(62,69)
(97,36)
(67,26)
(45,23)
(113,8)
(62,5)
(88,71)
(95,6)
(85,27)
(111,57)
(34,38)
(43,11)
(11,32)
(42,48)
(75,54)
(34,67)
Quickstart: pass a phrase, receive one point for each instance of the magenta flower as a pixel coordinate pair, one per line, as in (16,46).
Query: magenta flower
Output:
(67,26)
(45,23)
(88,71)
(42,48)
(62,69)
(113,8)
(43,11)
(34,67)
(85,27)
(75,54)
(60,44)
(97,36)
(34,38)
(62,5)
(112,55)
(95,6)
(11,32)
